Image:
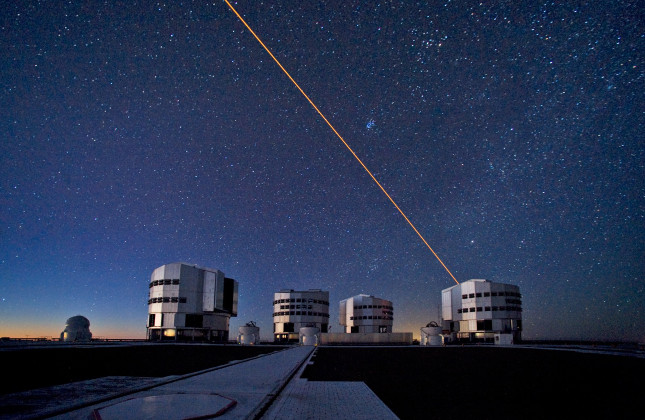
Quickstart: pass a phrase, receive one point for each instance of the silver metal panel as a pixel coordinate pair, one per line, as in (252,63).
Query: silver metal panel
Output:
(446,304)
(208,299)
(219,290)
(235,296)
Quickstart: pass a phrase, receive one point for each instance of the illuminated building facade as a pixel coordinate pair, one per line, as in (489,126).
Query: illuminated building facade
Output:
(478,310)
(293,310)
(366,314)
(190,303)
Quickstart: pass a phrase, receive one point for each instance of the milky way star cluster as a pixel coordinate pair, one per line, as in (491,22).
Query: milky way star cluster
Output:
(136,135)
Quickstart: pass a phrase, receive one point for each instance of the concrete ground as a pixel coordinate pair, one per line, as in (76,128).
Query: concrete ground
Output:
(266,387)
(456,382)
(361,383)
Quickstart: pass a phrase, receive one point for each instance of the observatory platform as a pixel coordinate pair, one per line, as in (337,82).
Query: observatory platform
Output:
(267,386)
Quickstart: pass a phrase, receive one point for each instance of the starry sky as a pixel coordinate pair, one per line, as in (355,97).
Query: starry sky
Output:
(135,134)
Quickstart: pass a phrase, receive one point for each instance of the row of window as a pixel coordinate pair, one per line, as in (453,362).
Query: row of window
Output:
(300,300)
(489,308)
(374,307)
(163,282)
(289,327)
(307,313)
(487,325)
(488,294)
(296,307)
(191,321)
(352,318)
(167,300)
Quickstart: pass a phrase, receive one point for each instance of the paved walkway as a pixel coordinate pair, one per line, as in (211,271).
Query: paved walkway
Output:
(303,399)
(235,391)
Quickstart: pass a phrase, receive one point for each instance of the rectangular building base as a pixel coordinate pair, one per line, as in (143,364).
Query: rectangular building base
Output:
(374,339)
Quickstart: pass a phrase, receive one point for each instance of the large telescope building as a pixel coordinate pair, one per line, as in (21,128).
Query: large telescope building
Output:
(190,303)
(293,310)
(481,310)
(366,314)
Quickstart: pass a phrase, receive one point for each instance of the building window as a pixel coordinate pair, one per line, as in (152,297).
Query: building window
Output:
(151,320)
(486,308)
(485,325)
(382,329)
(288,327)
(471,295)
(471,310)
(194,321)
(486,294)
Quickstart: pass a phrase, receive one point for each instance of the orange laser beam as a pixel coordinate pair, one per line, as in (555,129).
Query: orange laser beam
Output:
(341,139)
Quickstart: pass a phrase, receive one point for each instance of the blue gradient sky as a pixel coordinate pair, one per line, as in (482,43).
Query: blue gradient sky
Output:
(135,135)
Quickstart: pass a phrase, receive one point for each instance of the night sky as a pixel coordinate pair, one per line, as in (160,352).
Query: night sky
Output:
(139,134)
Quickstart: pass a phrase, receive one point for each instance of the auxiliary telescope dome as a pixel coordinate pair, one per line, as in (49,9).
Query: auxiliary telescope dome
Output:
(77,328)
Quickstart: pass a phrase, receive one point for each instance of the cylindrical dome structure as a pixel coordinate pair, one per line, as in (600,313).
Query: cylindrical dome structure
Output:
(308,336)
(77,328)
(431,335)
(248,335)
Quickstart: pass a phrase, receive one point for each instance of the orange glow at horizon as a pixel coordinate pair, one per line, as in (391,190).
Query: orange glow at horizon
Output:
(342,140)
(53,331)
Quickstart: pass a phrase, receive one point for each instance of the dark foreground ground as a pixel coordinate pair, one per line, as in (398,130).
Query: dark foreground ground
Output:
(489,382)
(47,366)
